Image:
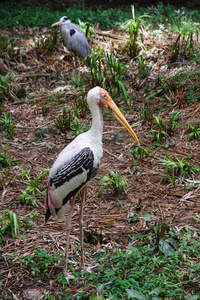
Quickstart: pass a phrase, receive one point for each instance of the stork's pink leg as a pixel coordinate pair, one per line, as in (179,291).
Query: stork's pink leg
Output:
(68,225)
(81,226)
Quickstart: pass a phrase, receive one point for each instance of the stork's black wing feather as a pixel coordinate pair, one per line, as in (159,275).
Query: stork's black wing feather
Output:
(82,161)
(80,164)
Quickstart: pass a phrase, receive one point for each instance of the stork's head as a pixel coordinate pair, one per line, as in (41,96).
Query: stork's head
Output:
(102,98)
(63,21)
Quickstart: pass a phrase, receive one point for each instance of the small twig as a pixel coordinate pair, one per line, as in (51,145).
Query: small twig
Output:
(115,156)
(111,35)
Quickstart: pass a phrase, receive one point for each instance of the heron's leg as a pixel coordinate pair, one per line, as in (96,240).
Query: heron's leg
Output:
(68,225)
(81,226)
(79,65)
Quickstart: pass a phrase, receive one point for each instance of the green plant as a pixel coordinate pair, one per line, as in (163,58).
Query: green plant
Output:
(6,124)
(87,28)
(5,85)
(9,224)
(94,62)
(182,86)
(28,195)
(146,112)
(139,151)
(146,215)
(40,263)
(30,15)
(153,295)
(82,103)
(158,135)
(144,70)
(115,66)
(185,29)
(176,169)
(158,121)
(46,43)
(121,89)
(194,132)
(75,124)
(133,26)
(173,124)
(163,130)
(114,180)
(64,121)
(11,46)
(6,45)
(101,66)
(76,80)
(145,271)
(4,161)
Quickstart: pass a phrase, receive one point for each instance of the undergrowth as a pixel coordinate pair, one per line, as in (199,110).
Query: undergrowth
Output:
(16,14)
(165,270)
(158,264)
(150,268)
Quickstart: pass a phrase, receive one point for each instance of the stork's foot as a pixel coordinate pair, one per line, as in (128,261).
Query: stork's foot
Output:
(68,276)
(87,269)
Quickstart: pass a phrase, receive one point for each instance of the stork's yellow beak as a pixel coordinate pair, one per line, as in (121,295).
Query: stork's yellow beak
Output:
(110,105)
(56,24)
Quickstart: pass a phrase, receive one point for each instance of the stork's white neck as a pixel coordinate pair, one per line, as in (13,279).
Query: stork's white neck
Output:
(96,129)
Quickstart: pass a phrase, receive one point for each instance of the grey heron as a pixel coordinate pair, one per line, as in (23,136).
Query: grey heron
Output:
(73,38)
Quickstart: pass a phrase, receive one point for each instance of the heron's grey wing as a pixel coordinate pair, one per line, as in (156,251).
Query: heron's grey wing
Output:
(79,43)
(76,27)
(65,32)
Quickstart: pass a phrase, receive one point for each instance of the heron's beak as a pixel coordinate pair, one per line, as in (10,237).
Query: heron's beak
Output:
(56,24)
(110,105)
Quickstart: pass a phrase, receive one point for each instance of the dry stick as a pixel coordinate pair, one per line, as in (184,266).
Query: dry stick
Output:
(78,211)
(115,156)
(111,35)
(14,97)
(196,110)
(37,201)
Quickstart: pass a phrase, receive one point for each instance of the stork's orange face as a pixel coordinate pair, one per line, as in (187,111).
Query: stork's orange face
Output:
(106,101)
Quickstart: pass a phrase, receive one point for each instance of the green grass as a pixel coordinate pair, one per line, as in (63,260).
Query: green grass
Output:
(171,266)
(5,161)
(18,14)
(114,182)
(5,85)
(194,132)
(177,169)
(63,123)
(9,225)
(166,267)
(178,85)
(40,263)
(133,27)
(29,195)
(7,127)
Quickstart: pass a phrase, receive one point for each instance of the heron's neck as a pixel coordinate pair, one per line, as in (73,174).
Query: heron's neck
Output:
(97,123)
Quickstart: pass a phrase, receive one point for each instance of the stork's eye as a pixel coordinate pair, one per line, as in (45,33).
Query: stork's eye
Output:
(66,18)
(104,95)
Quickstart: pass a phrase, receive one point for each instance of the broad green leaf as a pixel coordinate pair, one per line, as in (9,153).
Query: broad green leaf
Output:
(136,295)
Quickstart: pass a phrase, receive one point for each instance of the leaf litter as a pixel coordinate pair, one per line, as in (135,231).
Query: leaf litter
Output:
(46,78)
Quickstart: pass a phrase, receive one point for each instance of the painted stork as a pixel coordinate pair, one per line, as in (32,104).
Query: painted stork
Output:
(78,163)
